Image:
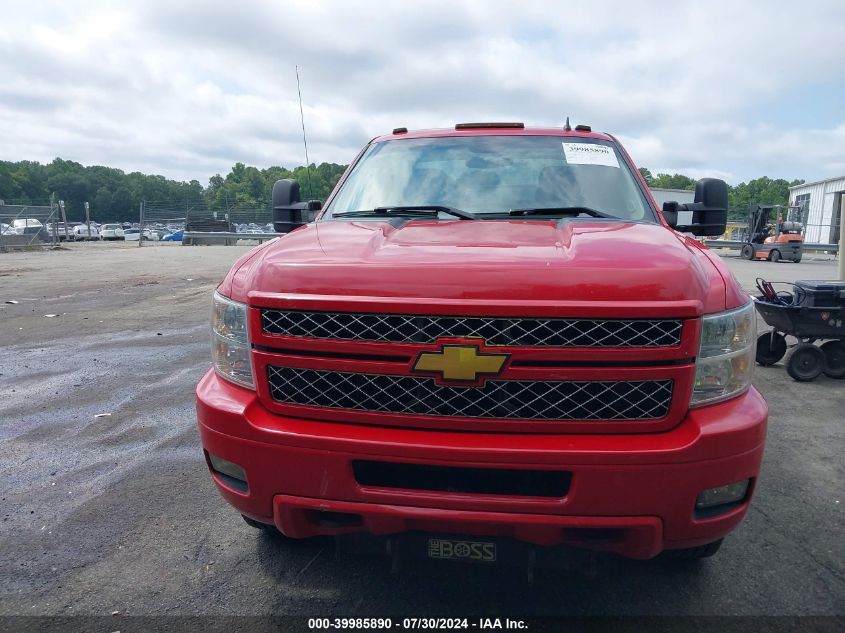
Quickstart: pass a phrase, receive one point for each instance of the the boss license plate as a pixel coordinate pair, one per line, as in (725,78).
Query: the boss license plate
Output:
(468,551)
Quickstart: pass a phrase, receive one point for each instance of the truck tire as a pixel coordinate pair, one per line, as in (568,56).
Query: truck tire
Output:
(805,362)
(775,256)
(695,553)
(771,347)
(834,359)
(747,252)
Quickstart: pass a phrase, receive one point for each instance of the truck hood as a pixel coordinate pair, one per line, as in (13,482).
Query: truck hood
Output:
(572,260)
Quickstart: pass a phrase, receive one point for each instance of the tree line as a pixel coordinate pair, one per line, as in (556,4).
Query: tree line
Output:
(763,190)
(114,195)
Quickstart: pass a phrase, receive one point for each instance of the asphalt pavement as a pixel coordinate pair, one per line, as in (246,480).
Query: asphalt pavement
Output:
(107,505)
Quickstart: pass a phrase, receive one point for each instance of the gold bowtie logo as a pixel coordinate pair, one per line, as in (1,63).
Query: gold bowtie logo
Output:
(464,363)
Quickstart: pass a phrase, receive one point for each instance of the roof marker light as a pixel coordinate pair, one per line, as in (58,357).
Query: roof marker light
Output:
(469,126)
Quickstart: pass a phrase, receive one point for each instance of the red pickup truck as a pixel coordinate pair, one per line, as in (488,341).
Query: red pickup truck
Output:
(489,332)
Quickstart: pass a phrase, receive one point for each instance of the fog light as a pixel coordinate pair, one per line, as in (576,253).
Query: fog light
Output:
(721,495)
(232,474)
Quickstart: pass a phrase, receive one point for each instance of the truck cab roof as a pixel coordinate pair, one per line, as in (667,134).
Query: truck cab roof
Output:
(489,130)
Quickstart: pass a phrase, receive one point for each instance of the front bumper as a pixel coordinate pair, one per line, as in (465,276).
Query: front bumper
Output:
(631,494)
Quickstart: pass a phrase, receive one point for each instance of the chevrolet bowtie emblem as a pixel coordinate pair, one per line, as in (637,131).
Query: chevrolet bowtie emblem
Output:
(464,363)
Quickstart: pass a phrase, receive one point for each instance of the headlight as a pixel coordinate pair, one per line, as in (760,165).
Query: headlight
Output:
(725,355)
(230,341)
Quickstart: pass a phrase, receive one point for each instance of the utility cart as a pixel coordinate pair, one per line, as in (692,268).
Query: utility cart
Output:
(812,311)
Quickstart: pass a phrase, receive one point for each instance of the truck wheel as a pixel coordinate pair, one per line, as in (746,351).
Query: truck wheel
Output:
(747,252)
(775,256)
(805,362)
(258,525)
(771,347)
(834,358)
(694,553)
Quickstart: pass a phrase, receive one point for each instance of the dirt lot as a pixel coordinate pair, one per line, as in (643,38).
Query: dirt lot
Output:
(117,513)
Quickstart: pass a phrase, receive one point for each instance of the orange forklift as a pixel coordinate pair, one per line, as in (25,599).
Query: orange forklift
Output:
(774,233)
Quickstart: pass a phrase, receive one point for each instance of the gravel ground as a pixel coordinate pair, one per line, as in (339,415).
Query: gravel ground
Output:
(118,513)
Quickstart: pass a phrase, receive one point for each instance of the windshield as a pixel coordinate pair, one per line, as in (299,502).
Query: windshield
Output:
(494,175)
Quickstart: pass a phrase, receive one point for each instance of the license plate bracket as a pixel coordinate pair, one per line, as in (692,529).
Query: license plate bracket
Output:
(463,550)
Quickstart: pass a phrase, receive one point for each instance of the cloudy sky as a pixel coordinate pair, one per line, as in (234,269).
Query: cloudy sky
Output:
(185,89)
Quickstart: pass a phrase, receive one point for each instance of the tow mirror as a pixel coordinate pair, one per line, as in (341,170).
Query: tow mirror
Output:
(289,212)
(708,215)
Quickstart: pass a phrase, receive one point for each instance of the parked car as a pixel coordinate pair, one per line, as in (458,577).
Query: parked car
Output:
(173,237)
(132,235)
(111,232)
(29,226)
(5,229)
(60,231)
(82,232)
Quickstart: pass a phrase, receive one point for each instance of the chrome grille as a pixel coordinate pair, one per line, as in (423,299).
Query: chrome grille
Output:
(529,332)
(504,399)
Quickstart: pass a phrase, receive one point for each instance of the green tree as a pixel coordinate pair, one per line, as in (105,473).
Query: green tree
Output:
(674,181)
(758,191)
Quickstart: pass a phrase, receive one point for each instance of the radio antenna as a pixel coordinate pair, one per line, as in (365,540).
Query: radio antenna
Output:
(304,141)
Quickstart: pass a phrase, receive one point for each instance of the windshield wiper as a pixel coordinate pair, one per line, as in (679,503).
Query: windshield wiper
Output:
(560,211)
(426,209)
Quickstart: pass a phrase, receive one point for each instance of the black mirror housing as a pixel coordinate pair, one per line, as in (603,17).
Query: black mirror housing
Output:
(289,212)
(708,215)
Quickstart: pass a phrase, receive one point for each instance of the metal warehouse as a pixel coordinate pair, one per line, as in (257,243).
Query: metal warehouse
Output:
(824,208)
(677,195)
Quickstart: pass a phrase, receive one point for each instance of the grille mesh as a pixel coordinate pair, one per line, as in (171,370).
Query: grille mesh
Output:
(503,399)
(529,332)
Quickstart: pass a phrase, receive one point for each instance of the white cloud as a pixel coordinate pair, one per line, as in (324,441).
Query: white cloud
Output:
(188,88)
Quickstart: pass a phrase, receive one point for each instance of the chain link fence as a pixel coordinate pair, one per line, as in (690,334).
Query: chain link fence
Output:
(825,233)
(163,217)
(815,233)
(159,222)
(29,226)
(818,232)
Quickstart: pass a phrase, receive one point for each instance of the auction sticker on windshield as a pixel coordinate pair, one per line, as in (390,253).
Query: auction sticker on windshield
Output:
(589,154)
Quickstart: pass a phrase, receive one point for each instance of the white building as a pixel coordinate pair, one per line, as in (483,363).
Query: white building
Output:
(672,195)
(824,204)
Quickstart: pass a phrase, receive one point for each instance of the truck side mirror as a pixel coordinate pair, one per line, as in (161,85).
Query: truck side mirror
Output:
(708,215)
(289,212)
